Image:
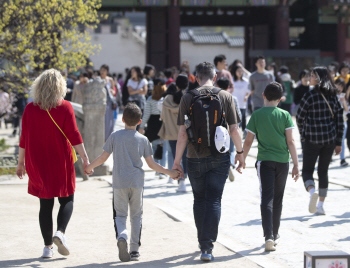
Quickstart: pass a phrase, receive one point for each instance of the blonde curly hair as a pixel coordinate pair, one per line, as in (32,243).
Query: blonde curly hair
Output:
(49,89)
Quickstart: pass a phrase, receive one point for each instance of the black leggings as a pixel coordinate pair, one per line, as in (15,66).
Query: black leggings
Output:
(63,217)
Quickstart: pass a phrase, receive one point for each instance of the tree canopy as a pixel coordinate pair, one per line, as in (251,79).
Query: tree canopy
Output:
(40,34)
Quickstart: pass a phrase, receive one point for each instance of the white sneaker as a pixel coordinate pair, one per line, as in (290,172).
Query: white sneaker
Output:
(60,241)
(47,252)
(320,211)
(162,176)
(270,245)
(182,187)
(313,202)
(231,175)
(170,181)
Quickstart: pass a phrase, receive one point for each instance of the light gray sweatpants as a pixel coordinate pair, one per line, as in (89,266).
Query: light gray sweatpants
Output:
(122,198)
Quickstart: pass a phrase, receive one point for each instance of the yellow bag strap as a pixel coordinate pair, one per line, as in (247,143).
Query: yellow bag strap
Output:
(59,128)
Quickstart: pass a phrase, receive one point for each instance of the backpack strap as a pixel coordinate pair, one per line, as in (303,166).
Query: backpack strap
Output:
(216,90)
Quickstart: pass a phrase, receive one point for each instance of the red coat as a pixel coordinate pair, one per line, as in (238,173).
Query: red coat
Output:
(48,155)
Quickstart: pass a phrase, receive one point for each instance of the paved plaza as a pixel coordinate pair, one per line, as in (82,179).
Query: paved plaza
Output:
(169,236)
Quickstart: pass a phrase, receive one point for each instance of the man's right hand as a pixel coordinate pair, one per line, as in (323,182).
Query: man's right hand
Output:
(239,158)
(178,167)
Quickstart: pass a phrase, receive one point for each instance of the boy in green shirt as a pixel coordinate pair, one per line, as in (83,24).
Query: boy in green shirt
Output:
(273,128)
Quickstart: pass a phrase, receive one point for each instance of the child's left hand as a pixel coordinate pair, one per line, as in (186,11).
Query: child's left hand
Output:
(88,170)
(295,173)
(175,174)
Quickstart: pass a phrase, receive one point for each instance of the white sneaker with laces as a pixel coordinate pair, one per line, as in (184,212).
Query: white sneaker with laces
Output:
(313,202)
(182,187)
(270,245)
(320,211)
(231,175)
(60,241)
(47,252)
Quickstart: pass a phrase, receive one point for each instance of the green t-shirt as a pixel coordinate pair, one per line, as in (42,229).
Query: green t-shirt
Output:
(269,125)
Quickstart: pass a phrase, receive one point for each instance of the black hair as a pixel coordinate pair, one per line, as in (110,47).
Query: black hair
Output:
(125,91)
(138,71)
(303,73)
(106,67)
(284,69)
(148,68)
(341,82)
(84,74)
(182,81)
(172,89)
(223,83)
(233,73)
(259,57)
(168,73)
(325,82)
(273,91)
(132,114)
(120,76)
(219,58)
(158,82)
(343,65)
(236,62)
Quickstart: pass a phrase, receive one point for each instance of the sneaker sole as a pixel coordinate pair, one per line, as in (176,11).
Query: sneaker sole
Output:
(231,177)
(134,259)
(313,202)
(207,259)
(123,251)
(270,245)
(60,247)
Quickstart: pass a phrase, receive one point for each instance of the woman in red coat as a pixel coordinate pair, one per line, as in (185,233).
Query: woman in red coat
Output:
(46,155)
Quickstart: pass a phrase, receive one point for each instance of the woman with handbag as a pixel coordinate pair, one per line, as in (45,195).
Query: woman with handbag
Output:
(49,133)
(151,117)
(321,126)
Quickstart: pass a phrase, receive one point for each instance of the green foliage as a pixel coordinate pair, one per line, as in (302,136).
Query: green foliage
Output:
(3,145)
(39,34)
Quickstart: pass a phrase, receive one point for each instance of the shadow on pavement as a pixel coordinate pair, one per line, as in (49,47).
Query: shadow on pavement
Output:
(298,218)
(251,222)
(346,215)
(345,239)
(250,252)
(329,223)
(175,261)
(27,262)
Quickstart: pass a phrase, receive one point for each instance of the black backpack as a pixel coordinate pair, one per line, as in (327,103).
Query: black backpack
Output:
(206,113)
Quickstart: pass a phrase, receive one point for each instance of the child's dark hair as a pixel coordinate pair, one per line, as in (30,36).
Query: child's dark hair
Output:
(284,69)
(273,91)
(259,57)
(182,81)
(223,83)
(168,73)
(132,114)
(341,82)
(304,73)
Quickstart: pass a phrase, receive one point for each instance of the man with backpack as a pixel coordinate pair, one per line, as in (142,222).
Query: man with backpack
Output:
(204,114)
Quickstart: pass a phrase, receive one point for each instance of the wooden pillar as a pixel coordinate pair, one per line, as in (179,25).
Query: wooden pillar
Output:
(281,32)
(163,37)
(341,40)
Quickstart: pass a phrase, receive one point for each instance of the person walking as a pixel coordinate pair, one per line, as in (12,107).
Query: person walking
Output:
(77,96)
(111,103)
(220,68)
(241,92)
(258,82)
(302,88)
(321,125)
(288,84)
(170,129)
(208,168)
(151,118)
(137,87)
(149,73)
(344,70)
(49,131)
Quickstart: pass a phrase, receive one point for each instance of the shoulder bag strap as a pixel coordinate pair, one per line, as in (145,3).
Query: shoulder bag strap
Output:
(328,105)
(59,127)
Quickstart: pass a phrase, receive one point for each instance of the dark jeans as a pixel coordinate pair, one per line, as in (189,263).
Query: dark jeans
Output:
(324,154)
(184,158)
(348,136)
(207,176)
(273,177)
(243,123)
(45,216)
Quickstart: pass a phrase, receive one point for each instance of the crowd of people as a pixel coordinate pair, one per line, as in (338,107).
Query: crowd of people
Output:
(191,122)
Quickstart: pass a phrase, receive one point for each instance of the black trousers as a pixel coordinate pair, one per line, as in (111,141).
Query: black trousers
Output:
(273,177)
(63,217)
(324,154)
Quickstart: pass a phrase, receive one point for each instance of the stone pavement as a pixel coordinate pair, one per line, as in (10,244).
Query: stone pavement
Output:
(240,226)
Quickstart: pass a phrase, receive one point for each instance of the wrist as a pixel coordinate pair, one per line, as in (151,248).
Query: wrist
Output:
(21,163)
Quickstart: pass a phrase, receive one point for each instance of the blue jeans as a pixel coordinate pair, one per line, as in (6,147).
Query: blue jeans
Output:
(342,154)
(168,154)
(207,176)
(232,152)
(154,147)
(184,158)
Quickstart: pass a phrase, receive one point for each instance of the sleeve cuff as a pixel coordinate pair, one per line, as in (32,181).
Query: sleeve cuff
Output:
(250,131)
(289,128)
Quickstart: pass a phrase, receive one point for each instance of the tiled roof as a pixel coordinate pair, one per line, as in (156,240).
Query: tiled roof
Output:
(211,38)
